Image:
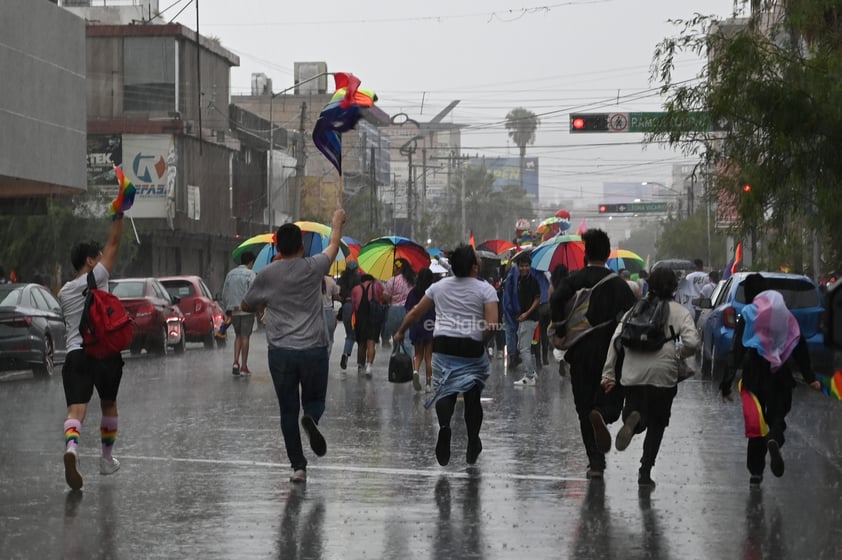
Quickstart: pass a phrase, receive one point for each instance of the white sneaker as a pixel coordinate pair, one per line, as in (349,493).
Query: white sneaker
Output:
(71,469)
(429,388)
(108,466)
(368,369)
(525,381)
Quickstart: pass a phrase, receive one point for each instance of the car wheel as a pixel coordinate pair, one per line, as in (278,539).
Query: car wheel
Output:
(209,337)
(179,346)
(46,367)
(161,347)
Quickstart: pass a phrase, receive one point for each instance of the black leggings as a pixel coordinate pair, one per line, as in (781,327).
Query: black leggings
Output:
(473,411)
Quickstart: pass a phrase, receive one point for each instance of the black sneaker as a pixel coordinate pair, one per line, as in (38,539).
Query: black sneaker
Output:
(776,462)
(235,369)
(317,440)
(474,449)
(343,363)
(600,432)
(443,446)
(626,433)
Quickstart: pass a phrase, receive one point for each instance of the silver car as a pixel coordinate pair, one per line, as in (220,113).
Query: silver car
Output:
(31,329)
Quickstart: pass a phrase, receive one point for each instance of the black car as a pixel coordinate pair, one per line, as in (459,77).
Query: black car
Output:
(31,329)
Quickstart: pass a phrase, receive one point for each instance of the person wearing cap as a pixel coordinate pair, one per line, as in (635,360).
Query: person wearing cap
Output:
(349,279)
(529,298)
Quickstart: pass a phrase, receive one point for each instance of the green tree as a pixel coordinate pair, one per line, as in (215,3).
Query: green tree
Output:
(777,88)
(688,239)
(522,125)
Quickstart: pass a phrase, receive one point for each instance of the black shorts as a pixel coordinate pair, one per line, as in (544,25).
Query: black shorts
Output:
(81,374)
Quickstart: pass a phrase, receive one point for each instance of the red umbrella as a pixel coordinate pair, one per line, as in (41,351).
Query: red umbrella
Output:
(496,246)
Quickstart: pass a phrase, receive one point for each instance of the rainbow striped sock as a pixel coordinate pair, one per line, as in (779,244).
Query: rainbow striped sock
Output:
(72,427)
(108,434)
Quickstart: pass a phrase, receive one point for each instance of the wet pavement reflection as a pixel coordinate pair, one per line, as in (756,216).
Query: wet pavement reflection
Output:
(204,474)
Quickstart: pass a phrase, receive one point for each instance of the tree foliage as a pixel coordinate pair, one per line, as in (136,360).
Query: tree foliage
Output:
(522,125)
(773,77)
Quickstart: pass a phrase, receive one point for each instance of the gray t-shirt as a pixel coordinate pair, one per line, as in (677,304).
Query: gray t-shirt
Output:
(236,284)
(291,290)
(72,300)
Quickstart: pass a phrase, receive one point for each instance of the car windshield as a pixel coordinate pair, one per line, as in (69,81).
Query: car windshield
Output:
(179,289)
(128,289)
(797,292)
(9,296)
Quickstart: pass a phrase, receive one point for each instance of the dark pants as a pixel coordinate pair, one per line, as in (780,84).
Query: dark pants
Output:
(585,379)
(544,314)
(774,393)
(655,407)
(291,369)
(473,411)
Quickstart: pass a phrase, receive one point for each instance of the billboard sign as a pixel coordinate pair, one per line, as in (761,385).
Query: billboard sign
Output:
(506,171)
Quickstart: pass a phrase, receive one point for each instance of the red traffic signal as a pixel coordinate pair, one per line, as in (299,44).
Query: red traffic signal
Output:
(588,122)
(746,188)
(602,209)
(578,123)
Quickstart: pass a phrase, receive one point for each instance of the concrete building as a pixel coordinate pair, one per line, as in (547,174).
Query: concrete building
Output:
(42,105)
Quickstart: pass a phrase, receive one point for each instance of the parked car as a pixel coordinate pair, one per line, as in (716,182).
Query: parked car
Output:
(801,296)
(158,322)
(203,315)
(31,329)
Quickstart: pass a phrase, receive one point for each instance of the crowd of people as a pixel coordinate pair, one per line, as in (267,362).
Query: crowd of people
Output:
(454,322)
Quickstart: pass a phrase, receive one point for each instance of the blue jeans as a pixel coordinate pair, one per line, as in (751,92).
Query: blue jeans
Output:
(511,338)
(291,369)
(350,337)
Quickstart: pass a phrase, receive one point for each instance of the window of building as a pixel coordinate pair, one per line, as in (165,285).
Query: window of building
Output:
(149,74)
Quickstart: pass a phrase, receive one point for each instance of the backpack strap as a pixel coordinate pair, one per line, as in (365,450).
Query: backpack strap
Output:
(91,280)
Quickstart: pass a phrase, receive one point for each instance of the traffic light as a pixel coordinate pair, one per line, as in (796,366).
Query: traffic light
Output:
(746,188)
(609,208)
(588,122)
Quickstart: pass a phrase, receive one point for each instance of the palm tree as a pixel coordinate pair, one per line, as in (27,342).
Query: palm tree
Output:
(522,124)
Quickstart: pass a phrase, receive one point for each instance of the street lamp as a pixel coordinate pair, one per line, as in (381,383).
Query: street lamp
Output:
(296,205)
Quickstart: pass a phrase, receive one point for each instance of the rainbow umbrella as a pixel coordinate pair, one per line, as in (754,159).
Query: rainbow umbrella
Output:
(314,236)
(623,258)
(377,257)
(568,250)
(354,246)
(496,246)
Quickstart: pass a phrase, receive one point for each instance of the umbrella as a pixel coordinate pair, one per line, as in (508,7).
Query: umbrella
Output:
(314,236)
(568,250)
(435,252)
(675,264)
(496,246)
(623,258)
(488,255)
(377,257)
(354,246)
(552,226)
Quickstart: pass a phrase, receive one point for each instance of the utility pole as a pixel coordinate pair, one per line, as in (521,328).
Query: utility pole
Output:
(375,202)
(300,165)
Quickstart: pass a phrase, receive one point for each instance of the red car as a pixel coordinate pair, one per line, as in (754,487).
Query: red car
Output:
(203,315)
(158,322)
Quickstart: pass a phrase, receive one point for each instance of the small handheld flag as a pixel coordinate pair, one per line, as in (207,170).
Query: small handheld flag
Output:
(125,195)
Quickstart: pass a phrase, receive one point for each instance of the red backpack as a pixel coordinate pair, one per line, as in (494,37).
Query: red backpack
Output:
(106,326)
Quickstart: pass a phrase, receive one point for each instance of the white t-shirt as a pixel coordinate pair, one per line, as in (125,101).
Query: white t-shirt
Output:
(691,288)
(72,300)
(460,306)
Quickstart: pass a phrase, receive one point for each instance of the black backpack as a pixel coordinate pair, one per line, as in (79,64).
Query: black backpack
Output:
(644,327)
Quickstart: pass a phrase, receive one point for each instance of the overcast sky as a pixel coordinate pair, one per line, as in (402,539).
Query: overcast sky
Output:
(493,55)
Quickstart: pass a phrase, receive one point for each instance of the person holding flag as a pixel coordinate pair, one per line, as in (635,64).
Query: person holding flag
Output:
(82,373)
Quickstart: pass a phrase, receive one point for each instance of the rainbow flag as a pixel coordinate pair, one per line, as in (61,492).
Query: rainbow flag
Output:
(125,194)
(752,414)
(831,384)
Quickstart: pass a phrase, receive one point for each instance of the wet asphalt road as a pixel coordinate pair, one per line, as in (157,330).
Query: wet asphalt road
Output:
(204,475)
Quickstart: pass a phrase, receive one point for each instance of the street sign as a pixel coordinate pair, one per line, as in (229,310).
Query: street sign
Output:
(632,207)
(642,122)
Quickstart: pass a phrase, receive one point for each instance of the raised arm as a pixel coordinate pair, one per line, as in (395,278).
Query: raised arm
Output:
(336,225)
(112,245)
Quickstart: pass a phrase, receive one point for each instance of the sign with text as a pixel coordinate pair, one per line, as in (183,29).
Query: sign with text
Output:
(643,122)
(632,207)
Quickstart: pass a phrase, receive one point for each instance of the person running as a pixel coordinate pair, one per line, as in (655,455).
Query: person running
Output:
(394,295)
(289,290)
(82,373)
(587,356)
(237,282)
(421,332)
(529,299)
(367,327)
(349,278)
(767,339)
(650,379)
(466,316)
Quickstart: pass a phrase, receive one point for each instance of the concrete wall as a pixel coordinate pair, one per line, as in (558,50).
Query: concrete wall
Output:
(42,100)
